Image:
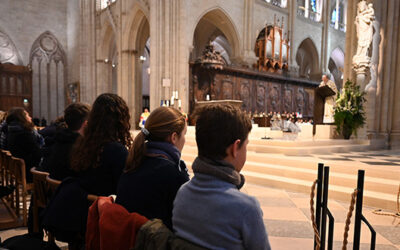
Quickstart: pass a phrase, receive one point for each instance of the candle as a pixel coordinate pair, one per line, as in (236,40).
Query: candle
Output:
(176,95)
(167,103)
(179,103)
(172,100)
(208,97)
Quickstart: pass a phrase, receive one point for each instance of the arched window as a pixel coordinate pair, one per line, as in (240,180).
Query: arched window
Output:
(279,3)
(102,4)
(338,15)
(310,9)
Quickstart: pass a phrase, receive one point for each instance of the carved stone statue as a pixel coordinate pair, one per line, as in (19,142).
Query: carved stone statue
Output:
(330,101)
(365,17)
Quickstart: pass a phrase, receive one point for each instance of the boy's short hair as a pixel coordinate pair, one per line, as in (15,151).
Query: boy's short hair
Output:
(75,114)
(217,127)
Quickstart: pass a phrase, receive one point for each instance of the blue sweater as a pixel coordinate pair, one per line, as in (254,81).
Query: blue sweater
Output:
(214,214)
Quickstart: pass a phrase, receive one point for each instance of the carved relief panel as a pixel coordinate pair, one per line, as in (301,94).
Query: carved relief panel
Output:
(227,90)
(245,95)
(274,97)
(260,97)
(300,101)
(287,99)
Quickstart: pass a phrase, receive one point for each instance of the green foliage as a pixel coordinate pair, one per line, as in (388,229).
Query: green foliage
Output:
(349,111)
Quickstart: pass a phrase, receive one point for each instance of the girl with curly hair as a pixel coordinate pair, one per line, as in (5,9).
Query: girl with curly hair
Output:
(22,140)
(154,170)
(99,156)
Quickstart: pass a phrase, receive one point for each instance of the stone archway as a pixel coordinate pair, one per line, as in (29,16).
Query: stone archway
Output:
(335,66)
(107,62)
(134,57)
(216,26)
(307,60)
(8,51)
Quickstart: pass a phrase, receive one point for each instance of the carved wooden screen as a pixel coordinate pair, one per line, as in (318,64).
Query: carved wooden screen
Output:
(15,87)
(259,92)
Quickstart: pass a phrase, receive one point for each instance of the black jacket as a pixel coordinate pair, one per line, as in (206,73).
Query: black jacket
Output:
(22,143)
(150,190)
(103,179)
(57,163)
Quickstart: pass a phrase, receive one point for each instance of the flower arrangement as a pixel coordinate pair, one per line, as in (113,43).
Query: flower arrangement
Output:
(349,111)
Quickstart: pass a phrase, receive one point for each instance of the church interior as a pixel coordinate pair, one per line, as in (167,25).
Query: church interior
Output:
(301,70)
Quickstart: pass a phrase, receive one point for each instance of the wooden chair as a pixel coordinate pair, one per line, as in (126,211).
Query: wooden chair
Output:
(40,193)
(14,176)
(53,183)
(22,188)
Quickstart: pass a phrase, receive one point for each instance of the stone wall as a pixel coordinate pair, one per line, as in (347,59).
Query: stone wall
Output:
(25,21)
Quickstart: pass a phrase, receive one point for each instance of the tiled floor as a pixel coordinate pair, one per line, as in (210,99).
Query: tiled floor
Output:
(287,219)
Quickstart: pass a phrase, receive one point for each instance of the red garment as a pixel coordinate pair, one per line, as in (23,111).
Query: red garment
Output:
(111,226)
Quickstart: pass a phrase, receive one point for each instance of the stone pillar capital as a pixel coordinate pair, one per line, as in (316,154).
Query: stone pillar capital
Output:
(361,64)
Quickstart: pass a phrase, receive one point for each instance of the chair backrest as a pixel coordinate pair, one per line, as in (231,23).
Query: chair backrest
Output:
(40,187)
(17,168)
(53,183)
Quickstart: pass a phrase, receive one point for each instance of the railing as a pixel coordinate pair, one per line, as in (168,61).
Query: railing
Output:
(322,210)
(360,217)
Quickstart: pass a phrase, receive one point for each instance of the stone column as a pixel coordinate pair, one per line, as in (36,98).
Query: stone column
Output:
(88,51)
(249,57)
(293,67)
(325,35)
(167,57)
(351,40)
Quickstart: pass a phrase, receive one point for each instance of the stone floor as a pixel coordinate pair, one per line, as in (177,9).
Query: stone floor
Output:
(287,219)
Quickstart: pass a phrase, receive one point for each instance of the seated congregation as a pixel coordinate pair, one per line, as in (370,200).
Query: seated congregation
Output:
(105,190)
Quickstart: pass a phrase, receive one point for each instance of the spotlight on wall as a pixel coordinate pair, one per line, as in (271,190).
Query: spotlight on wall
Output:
(142,58)
(113,65)
(106,60)
(25,102)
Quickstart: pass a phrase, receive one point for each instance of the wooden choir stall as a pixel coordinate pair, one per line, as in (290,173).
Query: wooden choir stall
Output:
(15,87)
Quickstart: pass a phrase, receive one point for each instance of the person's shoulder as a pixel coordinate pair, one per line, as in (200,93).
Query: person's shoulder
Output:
(244,199)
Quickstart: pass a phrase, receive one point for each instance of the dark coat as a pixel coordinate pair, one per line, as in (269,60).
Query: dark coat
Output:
(58,162)
(66,214)
(150,190)
(103,179)
(22,143)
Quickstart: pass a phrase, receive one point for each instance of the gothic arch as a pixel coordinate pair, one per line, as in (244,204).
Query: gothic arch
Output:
(8,51)
(49,67)
(107,66)
(135,37)
(335,66)
(307,60)
(223,25)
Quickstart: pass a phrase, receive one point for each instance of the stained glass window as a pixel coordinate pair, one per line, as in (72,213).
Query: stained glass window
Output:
(104,3)
(333,17)
(314,5)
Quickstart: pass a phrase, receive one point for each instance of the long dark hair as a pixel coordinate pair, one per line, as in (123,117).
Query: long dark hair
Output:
(18,115)
(108,122)
(161,123)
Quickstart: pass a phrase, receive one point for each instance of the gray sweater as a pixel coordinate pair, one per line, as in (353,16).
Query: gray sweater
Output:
(214,214)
